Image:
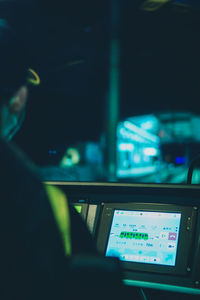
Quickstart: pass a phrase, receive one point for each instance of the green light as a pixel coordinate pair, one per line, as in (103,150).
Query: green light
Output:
(153,5)
(78,208)
(35,80)
(134,235)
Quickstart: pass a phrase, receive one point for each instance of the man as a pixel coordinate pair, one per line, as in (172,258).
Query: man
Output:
(36,236)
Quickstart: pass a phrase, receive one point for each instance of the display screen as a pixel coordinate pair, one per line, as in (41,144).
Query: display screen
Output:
(144,236)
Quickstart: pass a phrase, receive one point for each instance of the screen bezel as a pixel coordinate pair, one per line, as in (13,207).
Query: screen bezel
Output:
(186,234)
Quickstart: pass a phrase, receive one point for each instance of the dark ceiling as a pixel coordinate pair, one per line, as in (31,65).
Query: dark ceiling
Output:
(68,43)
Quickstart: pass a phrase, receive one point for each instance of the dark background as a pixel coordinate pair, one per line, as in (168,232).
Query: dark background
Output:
(160,61)
(69,47)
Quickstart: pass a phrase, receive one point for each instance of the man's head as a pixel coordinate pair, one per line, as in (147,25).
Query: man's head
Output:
(13,81)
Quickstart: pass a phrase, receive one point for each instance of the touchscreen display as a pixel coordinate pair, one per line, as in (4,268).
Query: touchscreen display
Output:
(144,237)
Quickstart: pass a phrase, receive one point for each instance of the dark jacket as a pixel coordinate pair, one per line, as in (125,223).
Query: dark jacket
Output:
(32,259)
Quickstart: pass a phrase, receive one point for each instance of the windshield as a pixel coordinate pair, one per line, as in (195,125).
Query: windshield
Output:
(119,93)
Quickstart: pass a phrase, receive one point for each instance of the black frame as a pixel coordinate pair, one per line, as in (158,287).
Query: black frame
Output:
(186,235)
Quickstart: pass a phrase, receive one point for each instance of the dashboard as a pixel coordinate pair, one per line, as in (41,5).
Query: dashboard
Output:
(153,229)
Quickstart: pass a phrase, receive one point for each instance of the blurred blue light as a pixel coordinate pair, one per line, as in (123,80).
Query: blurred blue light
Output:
(128,135)
(150,151)
(52,152)
(141,132)
(147,125)
(180,160)
(126,147)
(137,158)
(136,171)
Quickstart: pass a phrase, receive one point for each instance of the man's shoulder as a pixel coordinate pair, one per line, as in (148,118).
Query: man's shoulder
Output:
(19,179)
